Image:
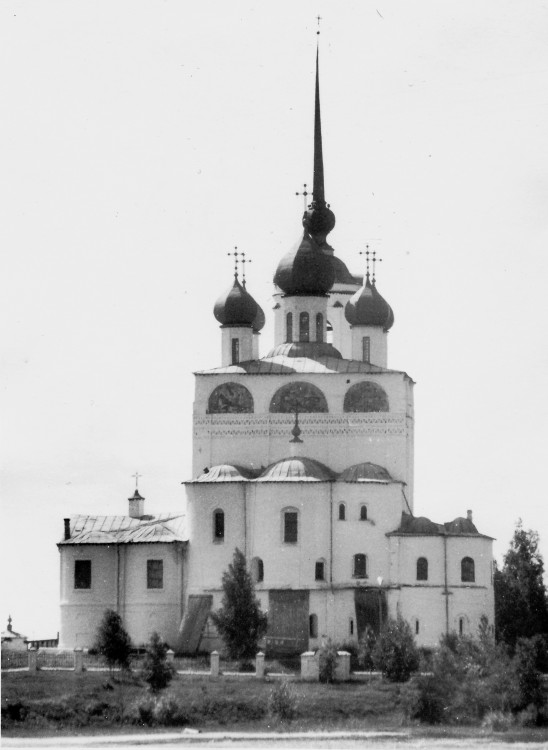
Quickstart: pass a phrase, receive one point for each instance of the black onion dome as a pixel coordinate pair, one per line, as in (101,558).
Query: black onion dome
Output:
(260,320)
(368,308)
(342,274)
(305,270)
(318,220)
(236,307)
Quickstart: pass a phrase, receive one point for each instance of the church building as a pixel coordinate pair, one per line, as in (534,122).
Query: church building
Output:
(302,459)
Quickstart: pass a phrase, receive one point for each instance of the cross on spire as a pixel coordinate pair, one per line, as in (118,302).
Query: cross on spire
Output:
(236,254)
(243,261)
(367,253)
(318,18)
(305,194)
(371,260)
(136,475)
(374,261)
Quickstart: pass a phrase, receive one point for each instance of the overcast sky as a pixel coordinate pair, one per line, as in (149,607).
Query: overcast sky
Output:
(141,141)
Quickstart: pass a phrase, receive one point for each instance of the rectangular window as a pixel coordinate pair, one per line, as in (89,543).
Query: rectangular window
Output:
(320,571)
(360,566)
(290,526)
(82,574)
(351,629)
(219,526)
(235,351)
(155,574)
(366,349)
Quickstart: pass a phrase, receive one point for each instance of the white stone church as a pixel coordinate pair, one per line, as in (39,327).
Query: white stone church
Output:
(303,459)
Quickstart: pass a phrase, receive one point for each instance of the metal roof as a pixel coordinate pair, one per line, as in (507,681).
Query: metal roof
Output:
(166,528)
(298,469)
(283,365)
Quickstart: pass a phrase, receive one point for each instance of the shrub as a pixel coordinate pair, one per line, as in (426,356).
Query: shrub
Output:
(282,702)
(112,641)
(168,713)
(395,652)
(156,670)
(497,721)
(366,647)
(328,662)
(528,677)
(425,699)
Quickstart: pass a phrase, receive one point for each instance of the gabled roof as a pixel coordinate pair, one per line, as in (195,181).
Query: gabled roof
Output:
(164,529)
(283,365)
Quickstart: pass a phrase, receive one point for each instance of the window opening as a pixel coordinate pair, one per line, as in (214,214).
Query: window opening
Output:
(319,327)
(360,566)
(291,526)
(329,333)
(366,349)
(363,512)
(304,327)
(82,574)
(257,570)
(422,569)
(313,626)
(351,628)
(289,327)
(235,351)
(467,570)
(218,526)
(417,627)
(320,570)
(155,574)
(461,625)
(342,512)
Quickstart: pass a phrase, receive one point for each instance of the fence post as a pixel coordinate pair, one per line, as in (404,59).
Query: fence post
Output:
(259,666)
(342,668)
(310,667)
(214,664)
(33,662)
(78,660)
(170,655)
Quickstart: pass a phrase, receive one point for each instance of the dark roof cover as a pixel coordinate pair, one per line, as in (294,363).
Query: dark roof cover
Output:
(421,525)
(368,308)
(297,469)
(365,472)
(236,307)
(258,323)
(342,274)
(308,349)
(225,473)
(460,526)
(305,270)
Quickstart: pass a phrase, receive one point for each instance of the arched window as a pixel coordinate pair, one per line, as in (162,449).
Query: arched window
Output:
(319,327)
(304,327)
(342,512)
(366,348)
(319,573)
(417,626)
(462,625)
(365,396)
(360,566)
(257,570)
(289,327)
(290,525)
(313,626)
(218,526)
(235,351)
(363,512)
(306,396)
(467,570)
(230,398)
(422,569)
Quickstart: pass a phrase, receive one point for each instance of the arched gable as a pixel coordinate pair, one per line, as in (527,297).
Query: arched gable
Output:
(230,398)
(365,396)
(307,397)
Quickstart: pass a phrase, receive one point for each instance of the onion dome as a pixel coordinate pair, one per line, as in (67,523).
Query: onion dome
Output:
(365,472)
(236,307)
(305,270)
(342,274)
(225,473)
(296,470)
(258,323)
(368,308)
(460,525)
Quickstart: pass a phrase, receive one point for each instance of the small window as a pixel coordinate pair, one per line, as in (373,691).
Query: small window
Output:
(304,327)
(422,569)
(342,512)
(329,333)
(291,525)
(319,327)
(313,626)
(351,626)
(320,570)
(360,566)
(218,526)
(155,574)
(289,327)
(461,625)
(366,349)
(363,512)
(82,574)
(467,570)
(417,627)
(235,351)
(257,570)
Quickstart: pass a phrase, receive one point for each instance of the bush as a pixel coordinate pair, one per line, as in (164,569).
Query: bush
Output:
(328,662)
(156,670)
(497,721)
(168,713)
(395,652)
(425,699)
(282,702)
(366,647)
(112,640)
(528,677)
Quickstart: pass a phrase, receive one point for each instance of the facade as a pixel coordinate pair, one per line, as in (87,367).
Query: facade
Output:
(303,459)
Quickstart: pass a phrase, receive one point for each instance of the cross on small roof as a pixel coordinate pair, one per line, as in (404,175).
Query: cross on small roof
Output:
(243,261)
(136,475)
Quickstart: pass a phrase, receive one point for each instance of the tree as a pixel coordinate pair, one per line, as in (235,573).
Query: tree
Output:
(395,652)
(240,620)
(521,604)
(157,671)
(112,640)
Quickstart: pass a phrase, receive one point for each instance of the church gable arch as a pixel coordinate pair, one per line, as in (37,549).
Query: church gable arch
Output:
(306,397)
(365,397)
(230,398)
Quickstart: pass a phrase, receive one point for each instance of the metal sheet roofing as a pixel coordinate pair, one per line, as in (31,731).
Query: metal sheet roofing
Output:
(126,530)
(283,365)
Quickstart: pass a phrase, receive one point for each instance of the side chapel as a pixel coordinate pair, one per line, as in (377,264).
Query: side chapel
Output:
(303,459)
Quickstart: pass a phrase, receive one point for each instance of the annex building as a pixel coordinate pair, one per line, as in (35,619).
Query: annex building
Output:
(303,459)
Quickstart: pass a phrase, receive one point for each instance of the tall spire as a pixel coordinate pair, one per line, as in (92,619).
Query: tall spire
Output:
(318,220)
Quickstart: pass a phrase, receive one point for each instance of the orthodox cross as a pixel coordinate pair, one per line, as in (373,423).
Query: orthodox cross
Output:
(318,18)
(305,194)
(236,254)
(243,261)
(136,475)
(296,431)
(374,261)
(367,253)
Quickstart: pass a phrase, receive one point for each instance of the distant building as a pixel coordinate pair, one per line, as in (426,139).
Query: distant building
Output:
(13,641)
(309,471)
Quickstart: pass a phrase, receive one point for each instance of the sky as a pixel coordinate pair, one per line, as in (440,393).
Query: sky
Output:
(141,141)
